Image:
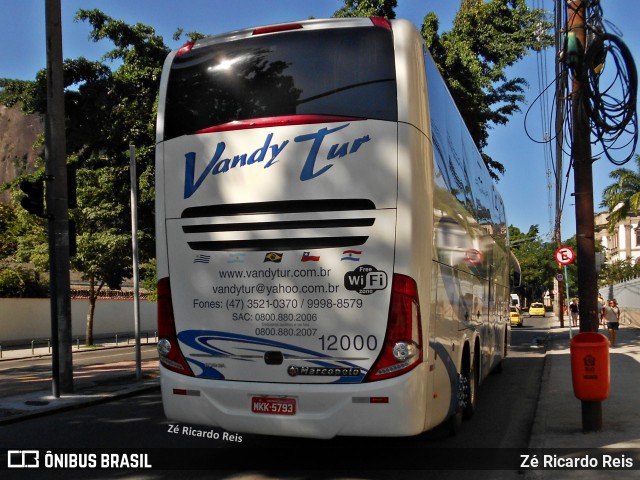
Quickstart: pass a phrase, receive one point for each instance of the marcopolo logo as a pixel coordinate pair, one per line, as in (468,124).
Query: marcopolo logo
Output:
(294,371)
(365,280)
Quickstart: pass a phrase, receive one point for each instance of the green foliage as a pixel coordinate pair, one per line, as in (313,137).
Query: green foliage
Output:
(8,240)
(149,278)
(192,36)
(487,38)
(21,282)
(537,262)
(618,272)
(104,239)
(622,197)
(21,92)
(107,110)
(367,8)
(24,236)
(23,252)
(11,283)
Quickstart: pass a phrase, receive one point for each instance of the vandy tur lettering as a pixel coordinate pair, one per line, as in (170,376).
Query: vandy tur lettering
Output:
(218,164)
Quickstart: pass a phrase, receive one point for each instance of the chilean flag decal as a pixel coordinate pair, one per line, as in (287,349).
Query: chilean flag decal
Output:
(307,257)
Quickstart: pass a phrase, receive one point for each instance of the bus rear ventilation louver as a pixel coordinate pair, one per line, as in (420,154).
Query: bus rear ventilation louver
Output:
(281,225)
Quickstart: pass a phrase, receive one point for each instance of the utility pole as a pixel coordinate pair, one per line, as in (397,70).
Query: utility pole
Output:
(583,188)
(560,99)
(134,249)
(57,205)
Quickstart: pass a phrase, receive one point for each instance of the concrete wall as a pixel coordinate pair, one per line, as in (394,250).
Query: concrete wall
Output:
(26,319)
(628,296)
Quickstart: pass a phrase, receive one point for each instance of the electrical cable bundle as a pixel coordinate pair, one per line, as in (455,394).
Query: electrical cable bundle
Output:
(609,95)
(608,78)
(609,100)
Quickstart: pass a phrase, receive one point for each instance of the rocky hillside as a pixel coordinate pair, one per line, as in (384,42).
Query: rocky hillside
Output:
(18,133)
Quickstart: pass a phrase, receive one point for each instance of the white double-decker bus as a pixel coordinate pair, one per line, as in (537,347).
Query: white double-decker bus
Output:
(332,253)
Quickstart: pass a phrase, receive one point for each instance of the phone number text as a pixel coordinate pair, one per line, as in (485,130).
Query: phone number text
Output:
(294,303)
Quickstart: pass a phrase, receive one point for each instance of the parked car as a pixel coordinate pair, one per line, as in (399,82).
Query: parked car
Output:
(516,317)
(536,309)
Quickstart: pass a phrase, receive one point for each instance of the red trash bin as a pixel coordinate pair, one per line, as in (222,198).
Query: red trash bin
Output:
(590,369)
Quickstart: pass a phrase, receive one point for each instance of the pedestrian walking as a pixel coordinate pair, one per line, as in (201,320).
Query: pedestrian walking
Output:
(573,309)
(611,314)
(601,302)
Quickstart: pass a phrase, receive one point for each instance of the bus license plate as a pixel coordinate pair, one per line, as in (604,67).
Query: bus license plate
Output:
(273,405)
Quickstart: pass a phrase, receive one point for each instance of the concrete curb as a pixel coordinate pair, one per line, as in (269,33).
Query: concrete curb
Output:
(43,405)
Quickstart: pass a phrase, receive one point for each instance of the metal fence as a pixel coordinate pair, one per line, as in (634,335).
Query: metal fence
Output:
(39,346)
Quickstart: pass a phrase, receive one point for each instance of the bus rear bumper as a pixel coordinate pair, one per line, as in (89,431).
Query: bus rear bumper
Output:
(393,407)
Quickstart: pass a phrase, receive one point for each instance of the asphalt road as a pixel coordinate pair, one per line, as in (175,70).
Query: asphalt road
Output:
(34,374)
(507,403)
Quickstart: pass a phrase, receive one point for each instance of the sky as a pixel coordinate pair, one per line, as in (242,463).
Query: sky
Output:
(525,185)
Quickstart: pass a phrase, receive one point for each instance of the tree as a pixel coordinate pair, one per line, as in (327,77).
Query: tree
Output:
(24,237)
(622,197)
(368,8)
(487,37)
(536,262)
(104,241)
(8,240)
(107,110)
(110,111)
(618,272)
(25,93)
(23,253)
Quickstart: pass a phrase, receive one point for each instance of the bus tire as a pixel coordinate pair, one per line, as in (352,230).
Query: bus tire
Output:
(455,420)
(505,351)
(471,373)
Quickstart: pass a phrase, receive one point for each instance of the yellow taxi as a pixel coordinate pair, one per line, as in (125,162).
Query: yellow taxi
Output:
(516,317)
(536,309)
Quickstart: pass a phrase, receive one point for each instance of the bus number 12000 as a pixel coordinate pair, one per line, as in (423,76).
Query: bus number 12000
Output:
(348,342)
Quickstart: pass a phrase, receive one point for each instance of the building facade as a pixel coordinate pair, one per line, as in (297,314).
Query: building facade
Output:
(621,244)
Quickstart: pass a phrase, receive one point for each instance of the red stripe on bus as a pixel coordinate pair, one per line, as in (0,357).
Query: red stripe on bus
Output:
(277,122)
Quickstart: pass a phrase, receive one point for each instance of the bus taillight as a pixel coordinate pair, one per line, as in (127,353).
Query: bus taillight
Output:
(402,349)
(381,22)
(168,348)
(277,28)
(185,48)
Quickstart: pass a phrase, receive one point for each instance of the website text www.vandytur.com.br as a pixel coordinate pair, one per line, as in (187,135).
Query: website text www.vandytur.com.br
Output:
(273,273)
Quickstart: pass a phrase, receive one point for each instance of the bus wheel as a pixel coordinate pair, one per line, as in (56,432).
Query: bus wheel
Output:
(455,421)
(505,351)
(471,388)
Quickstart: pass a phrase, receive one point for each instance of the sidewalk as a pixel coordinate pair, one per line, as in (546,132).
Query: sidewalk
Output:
(31,396)
(558,420)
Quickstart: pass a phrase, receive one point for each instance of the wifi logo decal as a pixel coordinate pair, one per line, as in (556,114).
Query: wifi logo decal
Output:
(365,280)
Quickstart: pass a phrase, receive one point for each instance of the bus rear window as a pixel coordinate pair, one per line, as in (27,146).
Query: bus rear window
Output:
(340,71)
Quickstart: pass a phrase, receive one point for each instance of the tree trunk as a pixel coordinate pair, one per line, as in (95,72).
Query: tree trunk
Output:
(93,297)
(92,307)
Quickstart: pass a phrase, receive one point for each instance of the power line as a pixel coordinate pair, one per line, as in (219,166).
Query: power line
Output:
(605,68)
